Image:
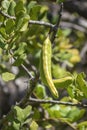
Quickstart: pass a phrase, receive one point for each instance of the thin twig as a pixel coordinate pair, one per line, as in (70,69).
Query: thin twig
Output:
(28,72)
(55,29)
(33,68)
(33,100)
(22,65)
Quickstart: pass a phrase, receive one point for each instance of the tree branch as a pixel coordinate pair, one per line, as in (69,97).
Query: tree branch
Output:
(55,28)
(30,21)
(32,82)
(7,15)
(38,101)
(31,87)
(41,23)
(49,25)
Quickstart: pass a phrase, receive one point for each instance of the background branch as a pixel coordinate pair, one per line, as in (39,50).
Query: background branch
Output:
(74,26)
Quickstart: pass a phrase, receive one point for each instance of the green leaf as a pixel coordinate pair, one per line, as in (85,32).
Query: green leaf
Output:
(74,92)
(71,91)
(15,125)
(12,126)
(21,49)
(2,45)
(16,118)
(19,8)
(25,24)
(27,111)
(75,114)
(68,113)
(5,5)
(10,26)
(34,12)
(31,5)
(22,114)
(11,8)
(82,84)
(63,55)
(18,62)
(11,122)
(2,31)
(3,34)
(82,125)
(54,111)
(58,72)
(19,113)
(63,82)
(33,126)
(6,76)
(22,22)
(40,91)
(1,19)
(36,114)
(20,59)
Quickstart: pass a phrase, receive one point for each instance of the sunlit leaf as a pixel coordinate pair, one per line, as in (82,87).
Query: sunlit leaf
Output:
(5,5)
(82,84)
(66,112)
(58,72)
(6,76)
(33,126)
(40,91)
(22,114)
(22,23)
(11,8)
(82,125)
(21,49)
(75,56)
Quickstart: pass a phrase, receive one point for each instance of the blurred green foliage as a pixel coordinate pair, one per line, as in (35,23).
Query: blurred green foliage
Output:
(25,41)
